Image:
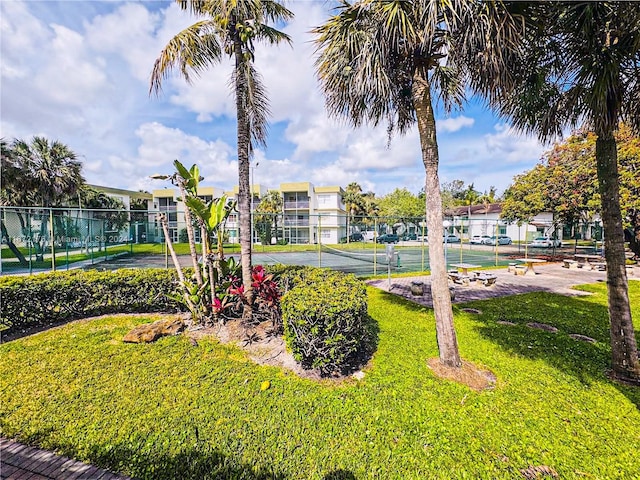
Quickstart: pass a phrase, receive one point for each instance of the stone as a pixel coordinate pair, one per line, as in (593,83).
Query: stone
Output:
(582,338)
(475,311)
(150,332)
(542,326)
(505,322)
(359,375)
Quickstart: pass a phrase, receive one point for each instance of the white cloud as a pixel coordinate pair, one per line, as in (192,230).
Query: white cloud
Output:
(453,124)
(510,146)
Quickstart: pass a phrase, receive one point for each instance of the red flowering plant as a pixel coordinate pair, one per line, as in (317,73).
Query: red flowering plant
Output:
(267,298)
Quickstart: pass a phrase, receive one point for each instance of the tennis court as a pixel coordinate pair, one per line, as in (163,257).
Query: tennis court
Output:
(361,262)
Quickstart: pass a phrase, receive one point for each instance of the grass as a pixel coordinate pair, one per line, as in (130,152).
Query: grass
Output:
(171,410)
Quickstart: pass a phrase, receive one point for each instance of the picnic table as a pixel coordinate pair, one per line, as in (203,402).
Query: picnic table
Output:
(529,264)
(461,276)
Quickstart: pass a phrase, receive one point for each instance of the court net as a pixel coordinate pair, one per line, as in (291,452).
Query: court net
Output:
(378,258)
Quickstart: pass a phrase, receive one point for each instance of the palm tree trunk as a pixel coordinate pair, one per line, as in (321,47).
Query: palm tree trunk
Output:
(12,246)
(190,235)
(445,331)
(244,212)
(624,350)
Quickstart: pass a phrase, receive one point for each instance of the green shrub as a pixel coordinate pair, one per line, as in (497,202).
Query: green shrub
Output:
(51,298)
(325,319)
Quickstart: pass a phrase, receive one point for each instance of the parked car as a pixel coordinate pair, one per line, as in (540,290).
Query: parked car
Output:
(546,242)
(354,237)
(451,238)
(479,239)
(500,240)
(409,236)
(387,238)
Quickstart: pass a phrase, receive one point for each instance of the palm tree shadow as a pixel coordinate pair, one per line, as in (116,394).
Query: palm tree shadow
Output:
(588,362)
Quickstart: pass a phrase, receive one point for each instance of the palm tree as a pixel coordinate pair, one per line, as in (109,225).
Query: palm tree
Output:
(51,175)
(10,176)
(268,210)
(385,61)
(230,27)
(582,67)
(353,203)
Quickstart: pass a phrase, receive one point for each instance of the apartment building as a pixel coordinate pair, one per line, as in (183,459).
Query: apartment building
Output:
(310,214)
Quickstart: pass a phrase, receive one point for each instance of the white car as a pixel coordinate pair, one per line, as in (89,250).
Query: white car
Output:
(546,242)
(479,239)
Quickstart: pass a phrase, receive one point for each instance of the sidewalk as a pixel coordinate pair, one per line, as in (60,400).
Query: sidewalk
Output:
(20,462)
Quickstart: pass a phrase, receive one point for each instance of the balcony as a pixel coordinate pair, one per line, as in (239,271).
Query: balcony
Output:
(296,222)
(296,204)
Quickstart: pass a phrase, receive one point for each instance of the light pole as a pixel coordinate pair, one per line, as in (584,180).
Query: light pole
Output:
(446,224)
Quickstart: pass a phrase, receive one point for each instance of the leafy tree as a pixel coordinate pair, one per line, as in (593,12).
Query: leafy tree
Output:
(565,182)
(9,188)
(230,27)
(580,66)
(401,206)
(389,61)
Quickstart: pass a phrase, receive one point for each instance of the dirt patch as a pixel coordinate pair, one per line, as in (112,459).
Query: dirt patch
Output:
(264,348)
(473,377)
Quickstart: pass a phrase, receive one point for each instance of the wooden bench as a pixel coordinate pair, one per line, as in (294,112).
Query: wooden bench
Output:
(458,278)
(486,278)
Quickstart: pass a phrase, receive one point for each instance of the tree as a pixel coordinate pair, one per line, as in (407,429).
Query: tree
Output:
(565,182)
(581,66)
(390,61)
(9,186)
(401,206)
(230,27)
(353,203)
(267,213)
(49,175)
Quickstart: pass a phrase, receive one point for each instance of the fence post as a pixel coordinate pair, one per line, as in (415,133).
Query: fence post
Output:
(319,241)
(30,242)
(375,246)
(52,240)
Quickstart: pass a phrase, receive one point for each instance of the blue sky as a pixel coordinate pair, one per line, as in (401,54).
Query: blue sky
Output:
(78,72)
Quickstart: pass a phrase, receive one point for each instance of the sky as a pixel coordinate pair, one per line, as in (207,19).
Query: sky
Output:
(78,72)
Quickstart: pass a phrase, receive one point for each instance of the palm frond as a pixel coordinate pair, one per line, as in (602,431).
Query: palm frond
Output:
(192,51)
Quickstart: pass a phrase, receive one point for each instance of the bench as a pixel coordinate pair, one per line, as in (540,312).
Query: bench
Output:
(512,267)
(458,278)
(520,269)
(571,264)
(601,266)
(486,278)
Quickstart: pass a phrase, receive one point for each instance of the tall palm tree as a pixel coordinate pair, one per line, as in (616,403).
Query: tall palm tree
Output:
(583,66)
(390,60)
(50,176)
(353,203)
(230,27)
(10,176)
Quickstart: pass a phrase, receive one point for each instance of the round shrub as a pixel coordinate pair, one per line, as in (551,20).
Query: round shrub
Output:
(325,319)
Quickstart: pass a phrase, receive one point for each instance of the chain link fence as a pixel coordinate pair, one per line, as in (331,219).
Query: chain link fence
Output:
(45,239)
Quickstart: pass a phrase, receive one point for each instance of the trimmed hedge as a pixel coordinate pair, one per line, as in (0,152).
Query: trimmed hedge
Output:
(51,298)
(326,325)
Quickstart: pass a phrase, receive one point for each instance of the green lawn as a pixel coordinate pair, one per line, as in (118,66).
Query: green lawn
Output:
(171,410)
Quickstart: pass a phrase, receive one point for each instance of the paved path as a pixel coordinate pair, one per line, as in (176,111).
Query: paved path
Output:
(20,462)
(552,277)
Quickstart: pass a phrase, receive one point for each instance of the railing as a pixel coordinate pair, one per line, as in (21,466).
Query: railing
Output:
(297,204)
(296,223)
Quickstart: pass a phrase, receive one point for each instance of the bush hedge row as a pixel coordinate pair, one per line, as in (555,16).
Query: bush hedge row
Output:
(51,298)
(325,318)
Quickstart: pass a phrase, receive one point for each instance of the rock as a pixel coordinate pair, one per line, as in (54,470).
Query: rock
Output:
(582,338)
(149,332)
(505,322)
(542,326)
(475,311)
(359,375)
